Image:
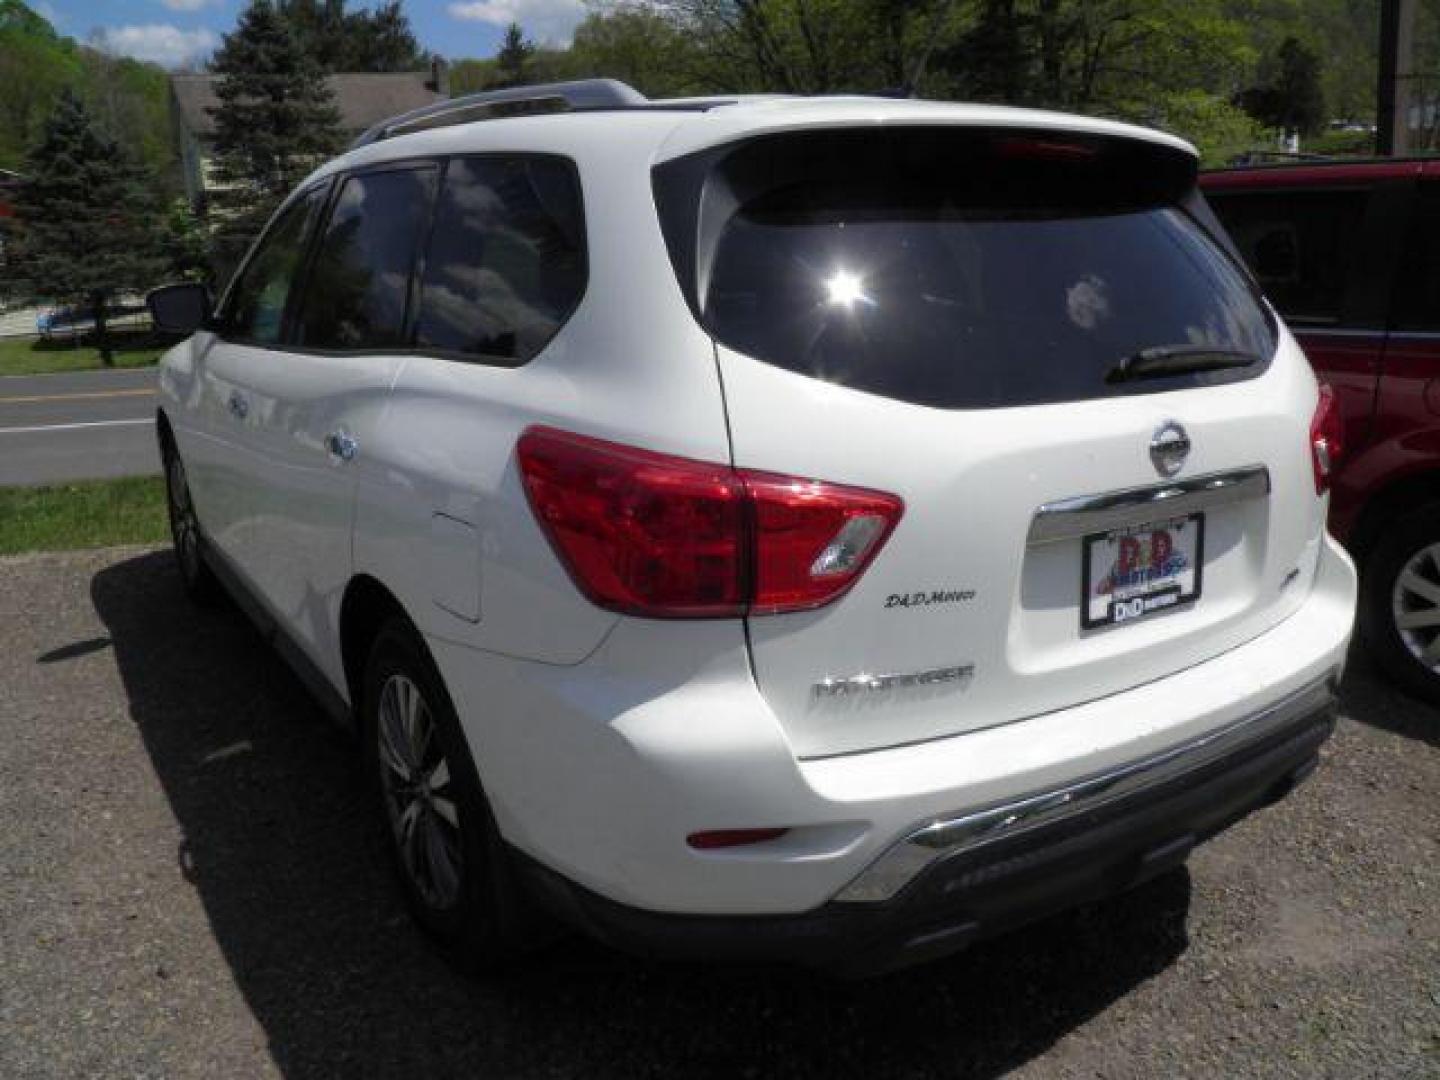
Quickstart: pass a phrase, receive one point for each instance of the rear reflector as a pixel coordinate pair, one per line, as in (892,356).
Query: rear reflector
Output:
(667,537)
(727,838)
(1326,438)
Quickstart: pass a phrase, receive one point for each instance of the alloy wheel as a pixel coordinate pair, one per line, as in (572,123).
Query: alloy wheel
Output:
(184,526)
(1415,606)
(418,791)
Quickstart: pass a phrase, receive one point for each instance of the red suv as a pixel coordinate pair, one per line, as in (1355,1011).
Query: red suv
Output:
(1349,254)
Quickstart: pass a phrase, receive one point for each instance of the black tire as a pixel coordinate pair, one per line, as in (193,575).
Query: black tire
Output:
(478,917)
(1384,601)
(196,577)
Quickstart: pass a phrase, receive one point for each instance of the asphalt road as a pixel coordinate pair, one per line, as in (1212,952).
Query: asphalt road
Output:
(191,885)
(77,426)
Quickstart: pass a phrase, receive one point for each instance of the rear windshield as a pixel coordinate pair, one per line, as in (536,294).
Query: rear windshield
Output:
(971,272)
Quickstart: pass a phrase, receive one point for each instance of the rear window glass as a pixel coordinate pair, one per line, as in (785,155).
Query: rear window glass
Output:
(972,274)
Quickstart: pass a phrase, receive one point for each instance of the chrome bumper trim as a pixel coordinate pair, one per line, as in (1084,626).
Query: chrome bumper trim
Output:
(1114,510)
(909,856)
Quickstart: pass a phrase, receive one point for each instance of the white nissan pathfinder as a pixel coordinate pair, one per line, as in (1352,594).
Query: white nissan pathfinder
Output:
(817,529)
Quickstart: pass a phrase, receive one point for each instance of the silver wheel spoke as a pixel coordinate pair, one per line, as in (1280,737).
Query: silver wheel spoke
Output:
(439,777)
(407,832)
(1415,620)
(1412,582)
(392,741)
(442,866)
(446,809)
(1431,655)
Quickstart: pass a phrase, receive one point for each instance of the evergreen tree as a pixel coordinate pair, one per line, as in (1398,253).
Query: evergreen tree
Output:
(513,59)
(1293,99)
(340,40)
(275,122)
(86,222)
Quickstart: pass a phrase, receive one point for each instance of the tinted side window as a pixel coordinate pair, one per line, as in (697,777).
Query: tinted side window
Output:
(1417,290)
(256,306)
(1300,245)
(360,281)
(506,261)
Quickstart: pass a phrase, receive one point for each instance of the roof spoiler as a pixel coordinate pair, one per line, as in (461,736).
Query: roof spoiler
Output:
(576,96)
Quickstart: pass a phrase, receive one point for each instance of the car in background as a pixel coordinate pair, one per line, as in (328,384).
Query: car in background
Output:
(1349,255)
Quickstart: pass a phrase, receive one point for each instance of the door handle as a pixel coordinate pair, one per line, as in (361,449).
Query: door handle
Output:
(239,407)
(342,444)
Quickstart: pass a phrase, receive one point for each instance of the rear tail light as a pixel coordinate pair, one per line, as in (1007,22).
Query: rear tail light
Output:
(661,536)
(1326,438)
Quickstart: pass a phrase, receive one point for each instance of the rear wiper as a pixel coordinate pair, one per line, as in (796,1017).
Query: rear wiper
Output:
(1161,360)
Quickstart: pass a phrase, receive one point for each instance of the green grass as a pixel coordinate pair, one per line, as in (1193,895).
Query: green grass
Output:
(36,356)
(95,513)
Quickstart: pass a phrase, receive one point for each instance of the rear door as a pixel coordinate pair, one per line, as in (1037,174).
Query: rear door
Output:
(963,319)
(1407,427)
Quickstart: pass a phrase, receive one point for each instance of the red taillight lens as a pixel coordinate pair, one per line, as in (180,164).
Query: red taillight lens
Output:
(662,536)
(812,540)
(1326,438)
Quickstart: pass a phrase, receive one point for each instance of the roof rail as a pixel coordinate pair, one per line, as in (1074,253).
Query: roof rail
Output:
(517,101)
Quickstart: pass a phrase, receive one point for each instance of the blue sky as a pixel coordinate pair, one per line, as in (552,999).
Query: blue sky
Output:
(171,32)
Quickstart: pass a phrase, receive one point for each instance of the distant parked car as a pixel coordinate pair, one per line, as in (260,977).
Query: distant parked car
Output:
(1349,254)
(74,320)
(831,529)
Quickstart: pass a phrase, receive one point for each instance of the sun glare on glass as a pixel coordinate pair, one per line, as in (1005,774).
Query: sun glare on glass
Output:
(844,289)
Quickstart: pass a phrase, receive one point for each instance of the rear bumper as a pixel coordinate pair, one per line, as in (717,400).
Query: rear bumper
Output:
(954,881)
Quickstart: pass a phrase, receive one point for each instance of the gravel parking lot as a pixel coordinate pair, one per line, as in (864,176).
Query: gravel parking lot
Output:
(190,886)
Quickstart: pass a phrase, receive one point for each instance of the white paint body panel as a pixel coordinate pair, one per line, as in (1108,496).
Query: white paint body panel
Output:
(604,740)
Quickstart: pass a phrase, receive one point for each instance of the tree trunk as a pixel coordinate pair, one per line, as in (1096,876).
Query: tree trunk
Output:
(102,331)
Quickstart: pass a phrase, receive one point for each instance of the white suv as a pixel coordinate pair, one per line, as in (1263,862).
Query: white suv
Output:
(825,530)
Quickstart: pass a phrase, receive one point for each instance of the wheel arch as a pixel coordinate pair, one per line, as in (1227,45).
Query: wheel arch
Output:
(364,609)
(1402,496)
(164,432)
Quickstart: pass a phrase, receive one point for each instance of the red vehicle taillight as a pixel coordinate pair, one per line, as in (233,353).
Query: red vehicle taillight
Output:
(1326,438)
(661,536)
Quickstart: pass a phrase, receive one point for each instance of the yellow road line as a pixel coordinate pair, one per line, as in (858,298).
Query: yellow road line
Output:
(147,392)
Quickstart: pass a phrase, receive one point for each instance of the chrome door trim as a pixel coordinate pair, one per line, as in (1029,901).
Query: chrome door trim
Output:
(905,859)
(1088,514)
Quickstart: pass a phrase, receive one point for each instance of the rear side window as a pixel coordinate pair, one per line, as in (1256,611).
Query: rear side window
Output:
(359,282)
(505,265)
(1417,289)
(959,270)
(256,304)
(1301,246)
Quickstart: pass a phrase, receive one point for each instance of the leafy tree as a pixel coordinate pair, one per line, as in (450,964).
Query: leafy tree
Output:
(35,64)
(512,62)
(85,219)
(276,121)
(130,101)
(184,243)
(638,46)
(1292,100)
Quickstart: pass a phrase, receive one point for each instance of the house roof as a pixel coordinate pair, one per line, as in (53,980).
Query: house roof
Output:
(362,98)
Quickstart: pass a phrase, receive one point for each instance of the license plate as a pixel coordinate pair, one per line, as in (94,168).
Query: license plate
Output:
(1142,570)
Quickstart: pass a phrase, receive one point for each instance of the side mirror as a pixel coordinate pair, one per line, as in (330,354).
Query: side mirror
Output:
(179,309)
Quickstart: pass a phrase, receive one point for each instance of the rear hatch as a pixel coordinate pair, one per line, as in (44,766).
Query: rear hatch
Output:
(1098,429)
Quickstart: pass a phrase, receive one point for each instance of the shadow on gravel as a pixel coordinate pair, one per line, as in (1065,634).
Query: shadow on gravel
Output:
(1368,696)
(284,855)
